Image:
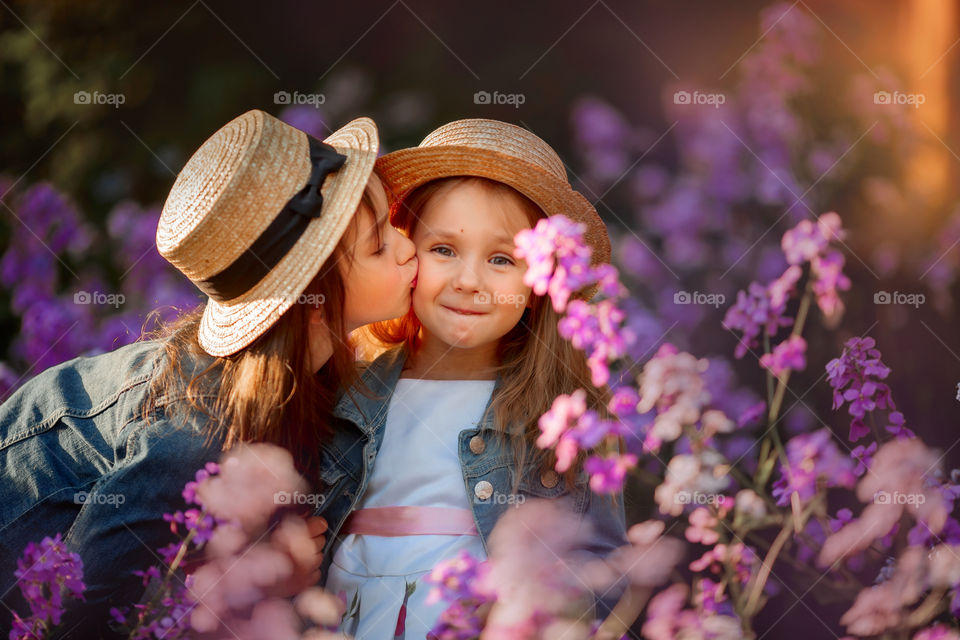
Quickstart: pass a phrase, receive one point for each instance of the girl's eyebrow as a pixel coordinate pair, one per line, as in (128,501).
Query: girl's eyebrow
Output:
(445,234)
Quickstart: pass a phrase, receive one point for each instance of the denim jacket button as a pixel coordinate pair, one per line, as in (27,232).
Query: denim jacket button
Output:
(477,445)
(483,490)
(549,478)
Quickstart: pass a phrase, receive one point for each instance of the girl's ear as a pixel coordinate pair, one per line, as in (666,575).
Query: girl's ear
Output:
(316,315)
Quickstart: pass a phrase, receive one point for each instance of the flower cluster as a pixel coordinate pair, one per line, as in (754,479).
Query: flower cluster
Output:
(558,262)
(48,574)
(855,378)
(559,265)
(461,581)
(760,311)
(813,462)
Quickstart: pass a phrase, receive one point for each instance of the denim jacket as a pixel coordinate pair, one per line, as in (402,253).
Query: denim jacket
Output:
(78,457)
(486,464)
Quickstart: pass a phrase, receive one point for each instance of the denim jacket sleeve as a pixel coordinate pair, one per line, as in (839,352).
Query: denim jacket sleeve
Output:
(116,540)
(79,457)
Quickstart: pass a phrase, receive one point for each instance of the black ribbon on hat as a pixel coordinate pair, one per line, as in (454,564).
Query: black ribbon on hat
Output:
(278,238)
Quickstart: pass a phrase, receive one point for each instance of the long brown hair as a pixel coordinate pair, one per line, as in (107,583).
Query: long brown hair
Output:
(536,364)
(267,391)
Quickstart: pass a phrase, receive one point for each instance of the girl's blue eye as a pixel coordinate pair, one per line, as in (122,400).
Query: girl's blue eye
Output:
(506,261)
(441,251)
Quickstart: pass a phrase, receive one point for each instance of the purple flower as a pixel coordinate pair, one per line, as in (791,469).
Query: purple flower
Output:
(307,118)
(607,474)
(757,310)
(461,581)
(937,632)
(813,461)
(623,402)
(597,329)
(855,378)
(863,456)
(47,574)
(788,355)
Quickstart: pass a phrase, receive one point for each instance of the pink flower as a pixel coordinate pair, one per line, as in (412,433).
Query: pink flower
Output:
(648,560)
(789,355)
(807,240)
(881,607)
(320,607)
(534,567)
(566,409)
(895,483)
(247,488)
(937,632)
(702,527)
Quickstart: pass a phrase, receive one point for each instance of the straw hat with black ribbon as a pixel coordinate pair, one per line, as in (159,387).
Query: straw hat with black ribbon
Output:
(255,213)
(502,152)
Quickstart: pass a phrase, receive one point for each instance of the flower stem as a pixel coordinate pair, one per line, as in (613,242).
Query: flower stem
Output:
(785,376)
(764,573)
(624,613)
(926,611)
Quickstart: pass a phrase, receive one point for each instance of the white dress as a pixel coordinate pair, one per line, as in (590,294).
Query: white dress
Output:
(417,465)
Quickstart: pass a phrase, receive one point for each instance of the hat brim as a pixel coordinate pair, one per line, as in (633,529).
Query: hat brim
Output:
(407,169)
(227,327)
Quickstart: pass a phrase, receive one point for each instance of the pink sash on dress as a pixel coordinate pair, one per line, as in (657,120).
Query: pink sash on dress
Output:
(411,521)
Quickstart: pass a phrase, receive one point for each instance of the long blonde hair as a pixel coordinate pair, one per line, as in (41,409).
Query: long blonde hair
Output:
(536,364)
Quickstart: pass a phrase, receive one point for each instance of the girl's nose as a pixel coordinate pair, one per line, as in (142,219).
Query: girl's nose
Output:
(466,277)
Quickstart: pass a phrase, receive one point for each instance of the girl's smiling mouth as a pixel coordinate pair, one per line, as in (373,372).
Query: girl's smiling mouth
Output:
(463,312)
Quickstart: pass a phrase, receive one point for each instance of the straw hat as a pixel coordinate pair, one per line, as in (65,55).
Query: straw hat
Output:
(502,152)
(244,219)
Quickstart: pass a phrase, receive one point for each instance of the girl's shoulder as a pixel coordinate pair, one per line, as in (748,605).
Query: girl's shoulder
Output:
(82,388)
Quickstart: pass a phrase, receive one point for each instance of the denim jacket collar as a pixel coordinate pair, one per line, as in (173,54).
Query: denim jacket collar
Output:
(381,378)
